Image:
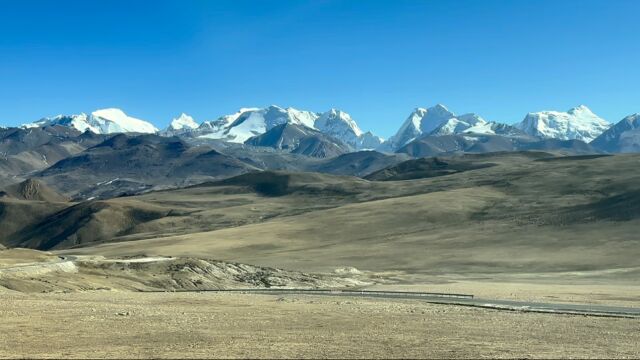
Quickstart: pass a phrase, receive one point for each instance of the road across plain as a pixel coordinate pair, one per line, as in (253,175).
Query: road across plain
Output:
(455,299)
(434,298)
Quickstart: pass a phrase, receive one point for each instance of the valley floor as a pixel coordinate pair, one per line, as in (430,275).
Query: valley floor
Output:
(109,324)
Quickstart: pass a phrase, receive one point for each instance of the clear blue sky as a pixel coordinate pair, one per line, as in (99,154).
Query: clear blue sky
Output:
(374,59)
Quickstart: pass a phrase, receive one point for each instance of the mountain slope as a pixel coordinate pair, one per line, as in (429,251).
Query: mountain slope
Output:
(24,151)
(248,123)
(183,124)
(103,121)
(621,137)
(527,215)
(474,124)
(84,223)
(481,143)
(32,189)
(124,164)
(439,121)
(251,122)
(421,121)
(578,123)
(368,141)
(358,163)
(452,144)
(300,140)
(462,124)
(340,125)
(426,168)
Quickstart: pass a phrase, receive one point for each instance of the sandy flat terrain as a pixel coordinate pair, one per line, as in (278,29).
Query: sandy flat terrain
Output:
(170,325)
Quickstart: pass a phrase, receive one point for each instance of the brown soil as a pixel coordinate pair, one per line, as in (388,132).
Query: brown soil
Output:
(132,325)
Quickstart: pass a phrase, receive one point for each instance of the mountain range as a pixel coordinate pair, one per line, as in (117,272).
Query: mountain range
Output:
(578,123)
(108,153)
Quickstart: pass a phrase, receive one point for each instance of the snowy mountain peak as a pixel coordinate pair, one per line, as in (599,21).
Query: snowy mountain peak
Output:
(335,117)
(112,120)
(369,141)
(249,122)
(578,123)
(110,113)
(467,123)
(181,125)
(78,122)
(103,121)
(340,125)
(183,121)
(580,109)
(422,122)
(439,107)
(633,119)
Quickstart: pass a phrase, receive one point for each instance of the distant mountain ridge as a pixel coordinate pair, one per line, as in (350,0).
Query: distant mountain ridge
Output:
(104,121)
(621,137)
(578,123)
(300,139)
(250,122)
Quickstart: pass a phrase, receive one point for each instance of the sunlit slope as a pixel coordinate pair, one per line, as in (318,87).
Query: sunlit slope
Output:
(529,213)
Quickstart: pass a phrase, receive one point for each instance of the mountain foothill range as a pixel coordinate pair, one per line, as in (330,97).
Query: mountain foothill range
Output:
(315,188)
(108,153)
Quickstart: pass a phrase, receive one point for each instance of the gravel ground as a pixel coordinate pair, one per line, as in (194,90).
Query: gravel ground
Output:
(108,324)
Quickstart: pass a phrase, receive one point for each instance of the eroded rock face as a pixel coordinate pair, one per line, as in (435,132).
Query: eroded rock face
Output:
(157,273)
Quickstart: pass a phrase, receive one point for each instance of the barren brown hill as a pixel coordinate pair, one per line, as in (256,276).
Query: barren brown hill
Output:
(528,214)
(33,189)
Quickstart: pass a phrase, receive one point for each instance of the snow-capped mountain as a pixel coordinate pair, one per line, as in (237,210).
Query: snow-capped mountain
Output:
(250,122)
(247,123)
(462,124)
(368,141)
(438,121)
(180,125)
(79,122)
(237,127)
(220,124)
(500,129)
(474,124)
(104,121)
(300,139)
(577,123)
(420,121)
(340,125)
(112,120)
(621,137)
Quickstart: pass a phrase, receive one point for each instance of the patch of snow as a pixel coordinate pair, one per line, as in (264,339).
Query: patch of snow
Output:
(108,182)
(184,121)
